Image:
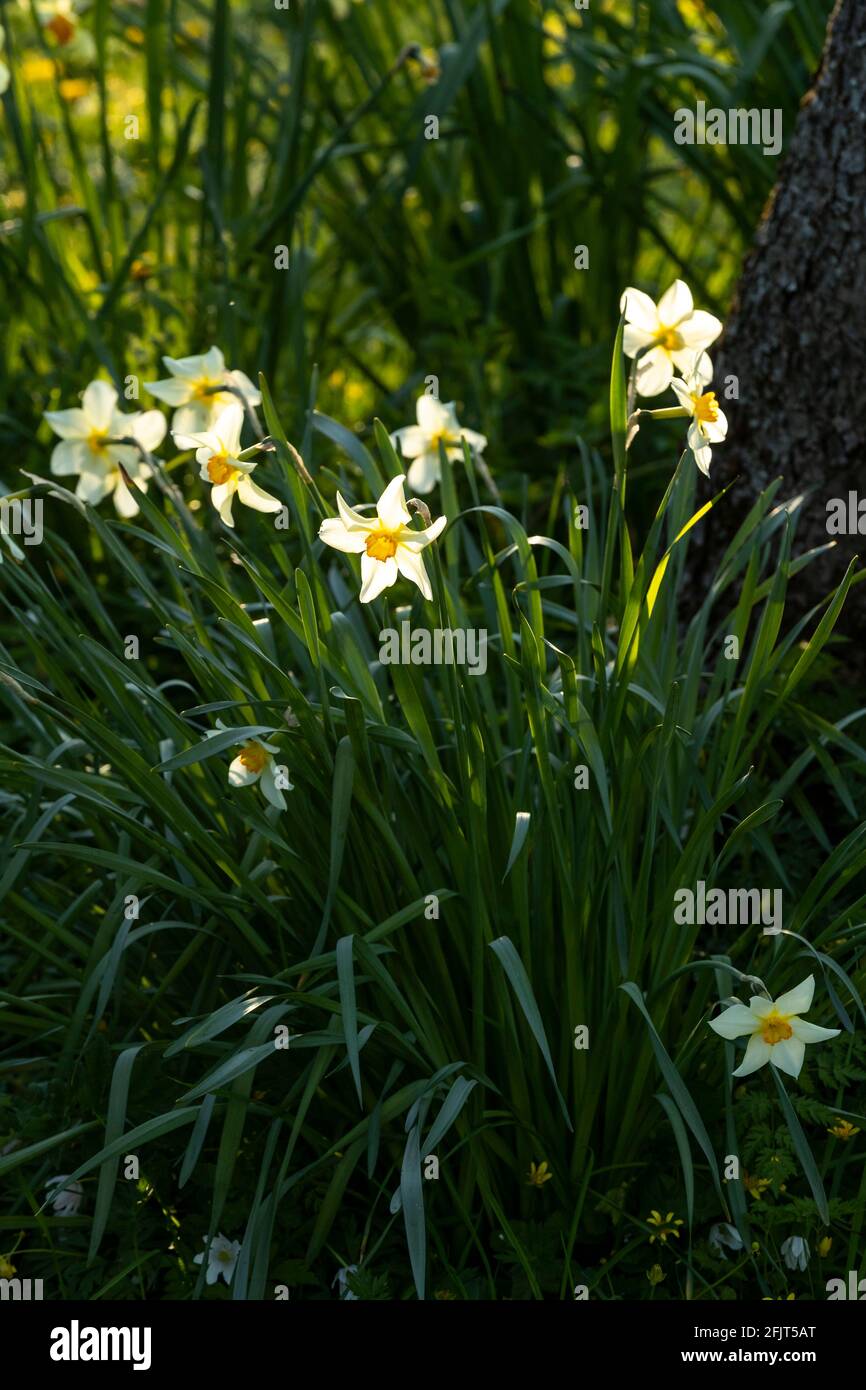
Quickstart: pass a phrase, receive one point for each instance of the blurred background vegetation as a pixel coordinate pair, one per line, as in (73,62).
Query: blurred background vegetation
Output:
(304,128)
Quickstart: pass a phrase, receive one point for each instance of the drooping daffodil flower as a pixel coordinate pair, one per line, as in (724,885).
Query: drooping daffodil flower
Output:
(709,424)
(667,335)
(217,451)
(196,390)
(386,543)
(221,1258)
(90,446)
(775,1030)
(256,763)
(437,423)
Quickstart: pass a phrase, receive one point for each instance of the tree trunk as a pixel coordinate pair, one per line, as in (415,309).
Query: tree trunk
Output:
(795,336)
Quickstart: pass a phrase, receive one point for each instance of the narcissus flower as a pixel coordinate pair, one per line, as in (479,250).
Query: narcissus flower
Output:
(193,388)
(775,1030)
(665,1226)
(217,452)
(221,1258)
(709,424)
(539,1175)
(386,543)
(64,1196)
(256,763)
(437,423)
(667,335)
(90,435)
(795,1252)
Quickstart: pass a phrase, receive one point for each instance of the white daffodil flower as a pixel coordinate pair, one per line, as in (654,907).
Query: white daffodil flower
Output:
(221,1258)
(724,1234)
(64,1196)
(193,389)
(217,452)
(89,446)
(775,1030)
(437,423)
(668,335)
(795,1252)
(386,543)
(709,423)
(256,763)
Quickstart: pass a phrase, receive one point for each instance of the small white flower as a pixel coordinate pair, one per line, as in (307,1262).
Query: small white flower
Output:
(216,452)
(342,1279)
(64,1196)
(775,1029)
(436,423)
(221,1258)
(256,763)
(668,335)
(386,543)
(709,423)
(795,1252)
(725,1234)
(89,447)
(193,389)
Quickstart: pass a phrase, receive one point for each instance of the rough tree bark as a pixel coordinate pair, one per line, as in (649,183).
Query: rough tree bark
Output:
(795,336)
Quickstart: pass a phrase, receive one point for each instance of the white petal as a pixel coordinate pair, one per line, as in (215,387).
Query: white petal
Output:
(788,1055)
(352,520)
(270,790)
(124,501)
(227,427)
(700,329)
(172,390)
(717,430)
(69,456)
(410,440)
(252,395)
(633,339)
(799,999)
(424,472)
(760,1006)
(99,401)
(334,533)
(68,424)
(149,429)
(94,485)
(476,442)
(241,776)
(419,540)
(683,394)
(734,1022)
(640,311)
(654,373)
(391,506)
(676,304)
(757,1055)
(432,415)
(376,575)
(254,496)
(222,495)
(812,1032)
(191,418)
(411,566)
